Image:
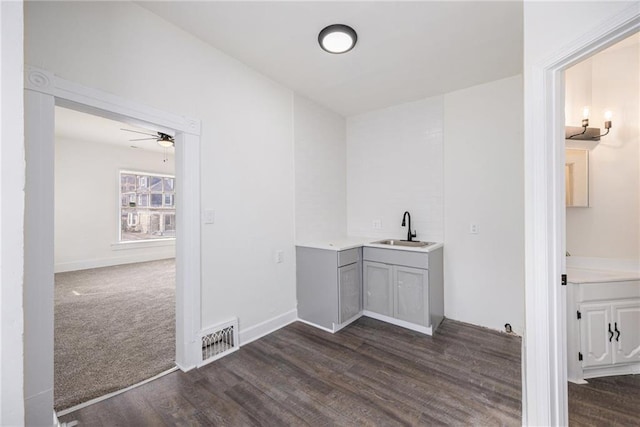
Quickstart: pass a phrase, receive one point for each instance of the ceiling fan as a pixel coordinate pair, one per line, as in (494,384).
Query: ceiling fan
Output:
(162,139)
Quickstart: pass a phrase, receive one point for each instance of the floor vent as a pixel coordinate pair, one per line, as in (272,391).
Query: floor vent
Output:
(219,341)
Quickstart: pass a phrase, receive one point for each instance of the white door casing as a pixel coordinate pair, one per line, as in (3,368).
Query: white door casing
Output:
(44,90)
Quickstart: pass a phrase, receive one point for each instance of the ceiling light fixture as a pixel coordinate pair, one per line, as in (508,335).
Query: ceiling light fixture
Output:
(337,38)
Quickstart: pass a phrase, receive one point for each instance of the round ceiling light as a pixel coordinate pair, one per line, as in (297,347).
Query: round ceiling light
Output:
(337,38)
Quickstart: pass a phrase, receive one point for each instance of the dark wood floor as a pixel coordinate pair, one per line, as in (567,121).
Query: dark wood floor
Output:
(609,401)
(370,373)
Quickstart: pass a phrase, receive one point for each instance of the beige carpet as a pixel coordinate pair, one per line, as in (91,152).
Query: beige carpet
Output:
(114,327)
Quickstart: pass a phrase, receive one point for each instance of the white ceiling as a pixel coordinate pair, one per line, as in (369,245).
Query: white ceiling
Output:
(77,126)
(406,50)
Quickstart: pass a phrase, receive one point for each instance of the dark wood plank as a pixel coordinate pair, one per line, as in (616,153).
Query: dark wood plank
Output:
(370,373)
(608,401)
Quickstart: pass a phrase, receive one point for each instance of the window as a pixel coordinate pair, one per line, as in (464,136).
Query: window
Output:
(147,206)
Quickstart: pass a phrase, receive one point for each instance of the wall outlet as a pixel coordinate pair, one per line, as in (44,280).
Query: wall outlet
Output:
(279,257)
(377,224)
(209,216)
(473,228)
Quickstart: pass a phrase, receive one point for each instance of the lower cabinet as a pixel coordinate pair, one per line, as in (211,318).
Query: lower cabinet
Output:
(610,333)
(396,291)
(350,291)
(603,329)
(403,287)
(378,292)
(329,286)
(410,295)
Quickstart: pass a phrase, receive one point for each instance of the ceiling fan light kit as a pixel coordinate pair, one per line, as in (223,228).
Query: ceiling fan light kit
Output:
(163,139)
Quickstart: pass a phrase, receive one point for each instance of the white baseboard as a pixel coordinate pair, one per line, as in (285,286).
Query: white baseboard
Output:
(261,329)
(418,328)
(315,325)
(108,262)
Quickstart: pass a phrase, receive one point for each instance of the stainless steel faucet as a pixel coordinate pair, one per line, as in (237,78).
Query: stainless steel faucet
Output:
(410,235)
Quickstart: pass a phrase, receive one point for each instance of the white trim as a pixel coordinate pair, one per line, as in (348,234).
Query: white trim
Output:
(114,393)
(306,322)
(143,244)
(407,325)
(74,95)
(44,90)
(544,358)
(339,326)
(610,371)
(64,267)
(268,326)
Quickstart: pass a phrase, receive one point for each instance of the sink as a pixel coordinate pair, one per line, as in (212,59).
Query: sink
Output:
(413,244)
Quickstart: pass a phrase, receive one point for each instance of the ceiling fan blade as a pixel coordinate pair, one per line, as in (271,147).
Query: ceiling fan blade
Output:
(144,139)
(144,133)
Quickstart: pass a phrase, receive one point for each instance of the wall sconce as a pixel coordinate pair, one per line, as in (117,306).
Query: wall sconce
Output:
(587,133)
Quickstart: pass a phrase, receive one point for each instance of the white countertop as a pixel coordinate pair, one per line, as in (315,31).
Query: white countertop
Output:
(584,275)
(344,243)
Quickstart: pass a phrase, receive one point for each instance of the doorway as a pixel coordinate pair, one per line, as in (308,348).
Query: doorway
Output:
(43,91)
(602,231)
(114,257)
(545,361)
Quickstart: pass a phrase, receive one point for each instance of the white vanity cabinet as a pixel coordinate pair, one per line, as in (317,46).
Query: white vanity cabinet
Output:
(603,332)
(329,286)
(610,333)
(404,287)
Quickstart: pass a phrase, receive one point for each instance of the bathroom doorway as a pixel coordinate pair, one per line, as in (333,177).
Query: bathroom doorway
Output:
(602,232)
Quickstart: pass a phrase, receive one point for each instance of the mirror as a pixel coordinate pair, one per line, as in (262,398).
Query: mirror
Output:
(576,176)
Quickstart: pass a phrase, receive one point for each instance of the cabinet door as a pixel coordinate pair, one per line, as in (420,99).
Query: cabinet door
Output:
(410,302)
(378,295)
(594,335)
(350,291)
(626,342)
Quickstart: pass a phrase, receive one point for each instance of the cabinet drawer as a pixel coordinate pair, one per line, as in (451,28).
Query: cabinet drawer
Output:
(397,257)
(608,291)
(348,257)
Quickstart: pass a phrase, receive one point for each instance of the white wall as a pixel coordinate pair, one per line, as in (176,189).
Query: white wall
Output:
(320,170)
(610,227)
(12,180)
(87,204)
(483,176)
(394,164)
(247,143)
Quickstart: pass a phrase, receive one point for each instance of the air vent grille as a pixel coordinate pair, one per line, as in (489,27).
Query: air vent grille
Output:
(218,341)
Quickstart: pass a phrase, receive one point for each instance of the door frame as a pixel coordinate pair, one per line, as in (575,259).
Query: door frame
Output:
(544,392)
(43,91)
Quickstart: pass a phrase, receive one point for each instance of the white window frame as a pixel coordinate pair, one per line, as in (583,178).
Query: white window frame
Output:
(144,174)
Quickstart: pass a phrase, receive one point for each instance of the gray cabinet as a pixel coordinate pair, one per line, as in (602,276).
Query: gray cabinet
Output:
(411,290)
(350,291)
(405,286)
(378,293)
(328,285)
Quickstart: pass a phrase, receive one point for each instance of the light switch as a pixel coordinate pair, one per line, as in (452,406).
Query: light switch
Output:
(209,216)
(279,257)
(473,228)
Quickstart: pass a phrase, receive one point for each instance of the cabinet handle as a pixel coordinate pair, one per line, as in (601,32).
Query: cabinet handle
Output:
(610,333)
(615,327)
